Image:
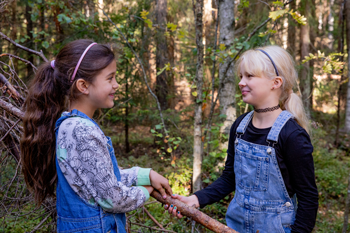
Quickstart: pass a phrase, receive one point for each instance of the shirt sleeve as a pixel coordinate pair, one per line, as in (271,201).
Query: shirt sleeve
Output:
(298,154)
(226,183)
(135,176)
(85,162)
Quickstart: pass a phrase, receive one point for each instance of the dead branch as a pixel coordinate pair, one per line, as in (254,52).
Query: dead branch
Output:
(11,109)
(195,214)
(151,217)
(10,129)
(152,228)
(11,89)
(19,58)
(40,54)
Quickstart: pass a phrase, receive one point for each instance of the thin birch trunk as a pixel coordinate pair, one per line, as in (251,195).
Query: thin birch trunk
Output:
(227,95)
(304,51)
(197,147)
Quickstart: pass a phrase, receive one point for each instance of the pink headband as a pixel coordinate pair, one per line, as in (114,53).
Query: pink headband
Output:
(81,58)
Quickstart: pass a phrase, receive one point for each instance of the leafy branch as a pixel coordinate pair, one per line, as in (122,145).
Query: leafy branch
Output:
(330,62)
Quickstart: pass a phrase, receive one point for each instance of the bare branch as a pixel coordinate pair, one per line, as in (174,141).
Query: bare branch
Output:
(19,58)
(151,217)
(10,129)
(12,90)
(40,54)
(152,228)
(11,109)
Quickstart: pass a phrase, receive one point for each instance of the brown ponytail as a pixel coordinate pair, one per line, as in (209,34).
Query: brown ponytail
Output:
(48,97)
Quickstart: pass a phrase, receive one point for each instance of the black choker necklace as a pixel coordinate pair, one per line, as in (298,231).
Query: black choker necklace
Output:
(267,109)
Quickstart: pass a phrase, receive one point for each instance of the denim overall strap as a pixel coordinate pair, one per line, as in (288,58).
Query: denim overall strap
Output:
(244,123)
(278,125)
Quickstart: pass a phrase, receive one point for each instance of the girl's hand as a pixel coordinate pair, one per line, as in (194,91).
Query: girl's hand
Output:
(149,188)
(160,183)
(190,201)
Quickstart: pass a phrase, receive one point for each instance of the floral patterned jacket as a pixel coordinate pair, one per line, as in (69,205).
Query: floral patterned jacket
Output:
(88,168)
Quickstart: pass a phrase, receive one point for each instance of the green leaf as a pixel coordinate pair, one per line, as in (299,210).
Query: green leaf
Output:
(277,14)
(169,150)
(144,14)
(206,181)
(278,3)
(153,131)
(45,44)
(194,93)
(172,27)
(149,23)
(222,47)
(298,17)
(159,127)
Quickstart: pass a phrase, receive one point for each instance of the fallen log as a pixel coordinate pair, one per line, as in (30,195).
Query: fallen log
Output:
(195,214)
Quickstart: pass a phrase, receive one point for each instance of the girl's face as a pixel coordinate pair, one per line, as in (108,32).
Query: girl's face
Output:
(103,88)
(256,90)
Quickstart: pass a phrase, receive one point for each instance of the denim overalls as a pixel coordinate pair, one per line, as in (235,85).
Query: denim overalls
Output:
(73,213)
(261,202)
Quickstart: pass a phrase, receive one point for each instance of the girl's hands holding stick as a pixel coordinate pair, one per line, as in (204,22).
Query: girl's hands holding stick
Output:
(160,183)
(190,201)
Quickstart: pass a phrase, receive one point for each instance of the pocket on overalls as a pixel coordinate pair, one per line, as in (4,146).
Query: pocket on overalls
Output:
(265,222)
(253,171)
(91,225)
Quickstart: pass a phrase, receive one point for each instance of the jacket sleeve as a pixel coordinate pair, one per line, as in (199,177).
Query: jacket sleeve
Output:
(135,176)
(84,159)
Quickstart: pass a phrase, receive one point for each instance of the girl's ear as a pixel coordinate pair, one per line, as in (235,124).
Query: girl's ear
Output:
(277,82)
(82,86)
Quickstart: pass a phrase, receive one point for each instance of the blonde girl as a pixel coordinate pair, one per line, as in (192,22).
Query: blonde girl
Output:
(269,165)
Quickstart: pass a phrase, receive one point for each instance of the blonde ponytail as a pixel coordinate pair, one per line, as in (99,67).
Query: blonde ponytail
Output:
(294,105)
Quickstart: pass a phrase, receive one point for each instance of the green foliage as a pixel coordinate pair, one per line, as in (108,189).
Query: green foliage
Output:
(330,63)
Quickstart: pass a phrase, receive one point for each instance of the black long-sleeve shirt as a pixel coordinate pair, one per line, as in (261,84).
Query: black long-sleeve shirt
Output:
(294,156)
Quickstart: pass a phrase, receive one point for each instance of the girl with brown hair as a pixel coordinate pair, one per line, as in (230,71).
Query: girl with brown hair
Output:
(64,148)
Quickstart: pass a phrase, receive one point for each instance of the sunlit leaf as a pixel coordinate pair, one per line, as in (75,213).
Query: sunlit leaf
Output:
(277,14)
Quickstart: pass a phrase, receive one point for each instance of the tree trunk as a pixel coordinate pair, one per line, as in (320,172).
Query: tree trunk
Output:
(197,147)
(313,23)
(227,80)
(330,26)
(29,41)
(304,51)
(291,31)
(161,54)
(207,22)
(340,50)
(14,30)
(347,115)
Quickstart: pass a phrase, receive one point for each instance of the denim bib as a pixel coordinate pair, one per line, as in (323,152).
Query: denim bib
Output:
(261,202)
(75,214)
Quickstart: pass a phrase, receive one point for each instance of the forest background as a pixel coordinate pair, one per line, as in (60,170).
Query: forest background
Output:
(178,93)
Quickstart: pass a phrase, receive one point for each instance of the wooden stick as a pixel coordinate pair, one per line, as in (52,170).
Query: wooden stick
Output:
(195,214)
(151,217)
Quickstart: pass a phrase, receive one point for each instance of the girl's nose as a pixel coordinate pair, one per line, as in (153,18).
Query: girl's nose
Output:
(241,83)
(116,85)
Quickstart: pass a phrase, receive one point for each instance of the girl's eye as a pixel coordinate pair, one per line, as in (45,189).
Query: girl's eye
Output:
(250,75)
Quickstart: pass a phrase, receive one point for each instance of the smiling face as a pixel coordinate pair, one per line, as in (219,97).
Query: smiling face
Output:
(258,91)
(102,89)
